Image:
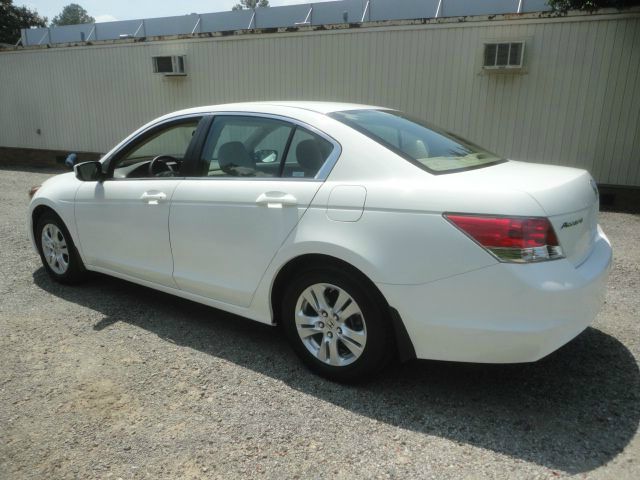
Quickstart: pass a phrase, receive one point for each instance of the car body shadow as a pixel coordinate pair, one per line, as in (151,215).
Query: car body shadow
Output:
(575,410)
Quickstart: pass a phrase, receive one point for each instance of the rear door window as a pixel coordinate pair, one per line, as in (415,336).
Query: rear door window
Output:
(245,146)
(307,154)
(254,146)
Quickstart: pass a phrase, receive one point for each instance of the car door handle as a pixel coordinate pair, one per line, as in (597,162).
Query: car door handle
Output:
(276,200)
(153,198)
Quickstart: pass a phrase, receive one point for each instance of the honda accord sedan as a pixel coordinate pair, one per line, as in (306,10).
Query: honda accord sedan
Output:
(364,233)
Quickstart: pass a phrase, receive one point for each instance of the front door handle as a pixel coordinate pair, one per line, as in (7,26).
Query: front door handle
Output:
(153,197)
(276,200)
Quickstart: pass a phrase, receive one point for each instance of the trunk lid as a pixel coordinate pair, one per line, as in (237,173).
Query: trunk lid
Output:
(569,196)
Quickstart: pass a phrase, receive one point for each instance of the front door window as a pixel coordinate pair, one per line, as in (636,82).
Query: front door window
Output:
(157,154)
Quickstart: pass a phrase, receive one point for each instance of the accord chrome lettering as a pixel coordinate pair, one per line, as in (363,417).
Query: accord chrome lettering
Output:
(571,224)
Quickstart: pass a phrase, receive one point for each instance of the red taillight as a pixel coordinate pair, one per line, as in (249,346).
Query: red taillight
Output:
(511,239)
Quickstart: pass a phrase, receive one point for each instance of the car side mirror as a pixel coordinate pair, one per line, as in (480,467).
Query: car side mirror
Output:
(266,156)
(89,171)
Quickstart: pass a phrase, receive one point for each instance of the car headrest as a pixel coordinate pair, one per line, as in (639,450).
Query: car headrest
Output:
(234,154)
(309,156)
(416,149)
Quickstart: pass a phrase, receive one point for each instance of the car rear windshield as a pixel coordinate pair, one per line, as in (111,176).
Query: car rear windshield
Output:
(427,147)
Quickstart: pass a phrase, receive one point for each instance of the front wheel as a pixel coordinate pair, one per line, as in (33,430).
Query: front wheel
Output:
(57,251)
(337,325)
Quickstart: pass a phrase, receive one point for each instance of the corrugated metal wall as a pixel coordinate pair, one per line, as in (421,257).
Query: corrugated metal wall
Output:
(577,104)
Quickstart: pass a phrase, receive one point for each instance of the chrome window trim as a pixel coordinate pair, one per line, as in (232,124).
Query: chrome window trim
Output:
(141,179)
(322,174)
(229,178)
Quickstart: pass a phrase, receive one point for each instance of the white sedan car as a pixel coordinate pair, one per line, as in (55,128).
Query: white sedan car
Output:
(365,233)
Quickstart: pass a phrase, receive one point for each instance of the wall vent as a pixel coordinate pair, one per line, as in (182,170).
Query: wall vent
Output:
(170,65)
(503,56)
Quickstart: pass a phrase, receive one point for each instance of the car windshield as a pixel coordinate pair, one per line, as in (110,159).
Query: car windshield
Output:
(428,147)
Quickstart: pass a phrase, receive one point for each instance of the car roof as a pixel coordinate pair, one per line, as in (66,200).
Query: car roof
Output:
(318,107)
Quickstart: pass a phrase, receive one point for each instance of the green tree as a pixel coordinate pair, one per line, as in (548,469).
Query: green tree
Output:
(72,14)
(590,5)
(13,18)
(250,4)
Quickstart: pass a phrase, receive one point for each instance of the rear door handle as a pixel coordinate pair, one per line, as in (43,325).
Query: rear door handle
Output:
(153,197)
(276,200)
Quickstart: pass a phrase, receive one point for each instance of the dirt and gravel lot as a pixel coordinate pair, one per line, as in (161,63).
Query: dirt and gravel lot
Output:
(113,380)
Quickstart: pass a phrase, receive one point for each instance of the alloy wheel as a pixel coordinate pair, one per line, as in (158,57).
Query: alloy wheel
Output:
(55,249)
(330,324)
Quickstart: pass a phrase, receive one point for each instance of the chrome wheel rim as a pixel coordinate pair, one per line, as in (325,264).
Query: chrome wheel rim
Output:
(54,248)
(331,324)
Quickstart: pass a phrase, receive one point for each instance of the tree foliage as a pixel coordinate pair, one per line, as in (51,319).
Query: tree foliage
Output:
(250,4)
(13,18)
(590,5)
(72,14)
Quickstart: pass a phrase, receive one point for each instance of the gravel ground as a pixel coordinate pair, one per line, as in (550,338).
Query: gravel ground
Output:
(113,380)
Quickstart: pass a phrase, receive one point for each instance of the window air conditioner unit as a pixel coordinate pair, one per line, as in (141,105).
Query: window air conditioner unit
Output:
(503,56)
(170,66)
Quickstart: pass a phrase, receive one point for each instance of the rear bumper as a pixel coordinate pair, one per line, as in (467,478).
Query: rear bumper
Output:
(505,313)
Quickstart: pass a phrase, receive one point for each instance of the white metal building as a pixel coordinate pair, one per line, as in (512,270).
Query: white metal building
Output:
(574,99)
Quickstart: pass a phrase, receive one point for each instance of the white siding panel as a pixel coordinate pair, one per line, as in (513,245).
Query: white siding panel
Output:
(578,102)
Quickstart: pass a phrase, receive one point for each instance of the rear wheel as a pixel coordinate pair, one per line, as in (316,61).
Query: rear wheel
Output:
(57,251)
(336,325)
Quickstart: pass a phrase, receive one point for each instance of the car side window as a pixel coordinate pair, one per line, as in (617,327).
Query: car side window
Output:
(306,155)
(239,146)
(159,154)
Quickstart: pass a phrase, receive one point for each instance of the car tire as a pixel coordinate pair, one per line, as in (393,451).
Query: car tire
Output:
(337,324)
(57,250)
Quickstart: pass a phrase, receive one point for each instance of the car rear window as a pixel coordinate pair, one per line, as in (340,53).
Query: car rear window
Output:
(427,147)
